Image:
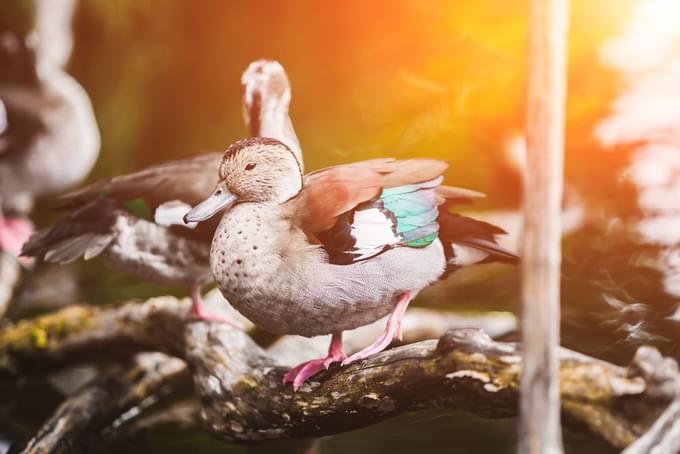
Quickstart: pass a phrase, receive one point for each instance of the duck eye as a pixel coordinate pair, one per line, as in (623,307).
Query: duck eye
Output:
(250,166)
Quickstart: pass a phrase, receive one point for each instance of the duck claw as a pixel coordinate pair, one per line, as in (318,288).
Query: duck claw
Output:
(302,372)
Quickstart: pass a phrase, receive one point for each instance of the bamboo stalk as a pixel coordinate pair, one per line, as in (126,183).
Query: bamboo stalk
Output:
(540,430)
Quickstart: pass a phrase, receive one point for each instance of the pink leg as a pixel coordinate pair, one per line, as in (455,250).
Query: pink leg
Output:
(14,232)
(392,330)
(299,374)
(198,312)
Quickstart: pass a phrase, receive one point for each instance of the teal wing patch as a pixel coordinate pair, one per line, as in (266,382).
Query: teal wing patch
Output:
(415,209)
(401,216)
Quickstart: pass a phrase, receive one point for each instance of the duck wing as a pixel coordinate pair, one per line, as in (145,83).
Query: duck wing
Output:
(152,194)
(83,232)
(361,210)
(189,180)
(155,193)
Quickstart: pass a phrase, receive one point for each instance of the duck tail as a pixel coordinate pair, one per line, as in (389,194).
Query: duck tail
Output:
(468,241)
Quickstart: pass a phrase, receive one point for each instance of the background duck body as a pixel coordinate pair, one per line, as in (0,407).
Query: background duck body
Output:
(123,219)
(52,141)
(49,140)
(135,220)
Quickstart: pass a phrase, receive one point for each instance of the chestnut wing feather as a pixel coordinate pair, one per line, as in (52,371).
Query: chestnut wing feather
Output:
(331,192)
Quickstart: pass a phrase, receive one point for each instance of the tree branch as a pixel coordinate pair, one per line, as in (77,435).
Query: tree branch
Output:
(80,333)
(76,334)
(662,375)
(663,436)
(243,399)
(102,402)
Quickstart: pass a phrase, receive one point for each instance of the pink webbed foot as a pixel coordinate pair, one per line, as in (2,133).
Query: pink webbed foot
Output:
(301,373)
(392,331)
(14,232)
(199,312)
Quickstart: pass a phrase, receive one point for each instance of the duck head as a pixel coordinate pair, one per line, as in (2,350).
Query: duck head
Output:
(266,99)
(258,169)
(264,81)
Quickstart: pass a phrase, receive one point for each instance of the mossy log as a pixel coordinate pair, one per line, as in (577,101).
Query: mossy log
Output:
(81,333)
(243,399)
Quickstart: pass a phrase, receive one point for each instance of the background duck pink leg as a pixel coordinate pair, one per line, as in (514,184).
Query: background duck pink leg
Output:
(199,312)
(299,374)
(14,232)
(392,330)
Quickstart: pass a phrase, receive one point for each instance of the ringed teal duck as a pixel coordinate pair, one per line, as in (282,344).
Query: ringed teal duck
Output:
(338,248)
(135,220)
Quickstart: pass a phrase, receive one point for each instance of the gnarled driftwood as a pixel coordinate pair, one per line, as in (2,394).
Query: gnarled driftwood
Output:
(243,399)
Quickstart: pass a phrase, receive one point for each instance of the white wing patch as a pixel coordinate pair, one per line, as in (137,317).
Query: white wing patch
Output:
(372,230)
(172,213)
(466,255)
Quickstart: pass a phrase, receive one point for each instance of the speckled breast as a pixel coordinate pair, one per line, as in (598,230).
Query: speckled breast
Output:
(246,264)
(270,274)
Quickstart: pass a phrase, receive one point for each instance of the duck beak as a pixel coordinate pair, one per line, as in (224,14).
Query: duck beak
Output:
(220,199)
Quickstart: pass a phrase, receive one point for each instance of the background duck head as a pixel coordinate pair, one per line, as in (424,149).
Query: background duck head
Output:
(266,97)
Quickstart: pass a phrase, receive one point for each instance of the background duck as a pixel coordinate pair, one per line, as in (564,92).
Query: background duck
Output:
(49,139)
(135,220)
(337,249)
